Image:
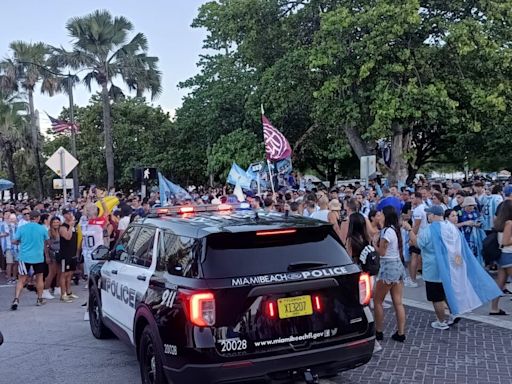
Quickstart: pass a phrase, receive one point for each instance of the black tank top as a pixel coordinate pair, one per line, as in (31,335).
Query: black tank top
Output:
(68,248)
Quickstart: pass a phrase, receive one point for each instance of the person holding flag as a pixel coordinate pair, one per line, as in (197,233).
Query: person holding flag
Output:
(450,271)
(276,146)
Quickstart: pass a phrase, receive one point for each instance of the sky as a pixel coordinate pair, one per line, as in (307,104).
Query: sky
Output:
(166,24)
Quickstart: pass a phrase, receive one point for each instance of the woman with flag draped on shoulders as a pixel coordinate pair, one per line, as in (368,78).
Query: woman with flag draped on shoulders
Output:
(457,276)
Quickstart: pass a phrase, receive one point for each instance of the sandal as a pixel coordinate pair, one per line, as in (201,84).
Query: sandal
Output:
(501,312)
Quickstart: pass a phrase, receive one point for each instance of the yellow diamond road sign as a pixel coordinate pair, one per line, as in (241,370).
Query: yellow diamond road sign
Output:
(62,158)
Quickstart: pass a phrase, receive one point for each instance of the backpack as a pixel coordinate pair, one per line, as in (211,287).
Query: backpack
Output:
(491,250)
(370,260)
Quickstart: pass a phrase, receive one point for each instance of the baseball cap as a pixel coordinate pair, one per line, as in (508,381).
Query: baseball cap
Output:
(507,191)
(66,211)
(34,214)
(435,210)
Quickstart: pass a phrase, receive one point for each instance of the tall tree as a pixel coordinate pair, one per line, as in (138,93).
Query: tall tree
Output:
(14,132)
(24,69)
(101,46)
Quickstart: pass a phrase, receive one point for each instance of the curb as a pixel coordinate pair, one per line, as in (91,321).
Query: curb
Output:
(480,318)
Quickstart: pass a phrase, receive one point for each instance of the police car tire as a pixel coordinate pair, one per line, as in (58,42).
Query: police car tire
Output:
(98,328)
(150,360)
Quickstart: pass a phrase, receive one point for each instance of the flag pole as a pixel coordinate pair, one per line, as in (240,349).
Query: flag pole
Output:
(269,165)
(271,176)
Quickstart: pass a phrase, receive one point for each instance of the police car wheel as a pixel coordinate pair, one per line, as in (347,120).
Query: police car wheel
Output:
(151,367)
(98,328)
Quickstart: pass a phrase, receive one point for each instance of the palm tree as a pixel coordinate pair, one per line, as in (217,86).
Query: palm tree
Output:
(101,46)
(25,69)
(14,131)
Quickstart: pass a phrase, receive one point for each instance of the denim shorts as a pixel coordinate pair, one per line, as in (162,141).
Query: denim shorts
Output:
(505,260)
(391,271)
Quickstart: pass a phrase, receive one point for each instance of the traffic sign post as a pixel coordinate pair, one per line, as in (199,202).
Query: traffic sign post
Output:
(62,163)
(368,166)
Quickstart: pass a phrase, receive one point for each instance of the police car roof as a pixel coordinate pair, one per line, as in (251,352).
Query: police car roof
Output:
(201,224)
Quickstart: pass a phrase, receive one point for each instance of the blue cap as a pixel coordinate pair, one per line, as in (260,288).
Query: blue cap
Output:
(507,191)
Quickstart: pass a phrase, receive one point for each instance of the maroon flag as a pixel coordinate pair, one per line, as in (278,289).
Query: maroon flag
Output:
(276,145)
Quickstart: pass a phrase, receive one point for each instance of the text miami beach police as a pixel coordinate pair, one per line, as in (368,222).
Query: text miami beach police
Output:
(283,277)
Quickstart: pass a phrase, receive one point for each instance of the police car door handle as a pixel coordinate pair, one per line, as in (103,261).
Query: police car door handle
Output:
(114,271)
(141,277)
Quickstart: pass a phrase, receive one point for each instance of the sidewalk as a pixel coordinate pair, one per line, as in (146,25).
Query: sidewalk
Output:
(416,297)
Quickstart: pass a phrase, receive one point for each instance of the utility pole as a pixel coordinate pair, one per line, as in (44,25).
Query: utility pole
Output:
(73,134)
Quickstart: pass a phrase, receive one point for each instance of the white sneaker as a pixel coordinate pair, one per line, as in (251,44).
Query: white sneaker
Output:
(409,283)
(386,305)
(452,320)
(377,347)
(86,316)
(47,295)
(56,291)
(442,325)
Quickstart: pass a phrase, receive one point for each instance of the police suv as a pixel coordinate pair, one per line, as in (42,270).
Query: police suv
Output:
(211,294)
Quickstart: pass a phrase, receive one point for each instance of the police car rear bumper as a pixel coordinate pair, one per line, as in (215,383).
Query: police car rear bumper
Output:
(324,361)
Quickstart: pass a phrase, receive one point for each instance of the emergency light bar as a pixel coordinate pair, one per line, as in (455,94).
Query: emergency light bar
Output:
(190,209)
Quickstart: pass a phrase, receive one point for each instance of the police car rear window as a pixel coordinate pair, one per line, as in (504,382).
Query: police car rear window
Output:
(244,254)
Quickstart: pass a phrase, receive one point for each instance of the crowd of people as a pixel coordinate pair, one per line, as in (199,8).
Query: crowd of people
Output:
(41,246)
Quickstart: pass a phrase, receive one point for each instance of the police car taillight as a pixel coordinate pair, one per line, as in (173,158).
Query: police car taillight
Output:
(271,309)
(365,288)
(317,303)
(202,309)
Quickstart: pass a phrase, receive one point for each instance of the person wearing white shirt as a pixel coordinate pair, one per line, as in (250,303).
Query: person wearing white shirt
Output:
(323,212)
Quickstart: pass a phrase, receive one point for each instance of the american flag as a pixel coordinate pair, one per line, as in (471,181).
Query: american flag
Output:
(59,126)
(276,145)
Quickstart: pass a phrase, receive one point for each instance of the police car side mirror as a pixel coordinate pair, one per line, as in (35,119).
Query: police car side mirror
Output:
(101,253)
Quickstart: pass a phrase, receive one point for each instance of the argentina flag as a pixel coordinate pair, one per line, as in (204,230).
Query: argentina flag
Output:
(169,190)
(237,176)
(466,283)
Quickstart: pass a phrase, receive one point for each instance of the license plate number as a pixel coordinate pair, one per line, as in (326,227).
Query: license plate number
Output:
(294,306)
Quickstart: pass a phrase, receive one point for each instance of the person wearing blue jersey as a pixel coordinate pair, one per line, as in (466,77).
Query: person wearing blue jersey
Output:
(483,203)
(31,238)
(390,200)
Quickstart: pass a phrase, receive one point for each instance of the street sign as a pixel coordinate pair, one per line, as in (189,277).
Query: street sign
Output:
(57,184)
(61,158)
(368,166)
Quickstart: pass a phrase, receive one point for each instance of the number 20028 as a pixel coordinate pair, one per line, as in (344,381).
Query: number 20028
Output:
(233,345)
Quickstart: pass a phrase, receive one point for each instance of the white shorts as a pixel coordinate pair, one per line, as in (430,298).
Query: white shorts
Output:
(9,257)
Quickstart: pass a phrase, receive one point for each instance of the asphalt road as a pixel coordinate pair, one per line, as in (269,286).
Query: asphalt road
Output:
(52,344)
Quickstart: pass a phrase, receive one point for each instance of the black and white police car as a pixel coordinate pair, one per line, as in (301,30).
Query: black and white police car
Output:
(210,294)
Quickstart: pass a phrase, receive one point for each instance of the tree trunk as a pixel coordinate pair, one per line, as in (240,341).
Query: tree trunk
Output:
(107,127)
(9,154)
(400,143)
(35,143)
(411,174)
(356,141)
(331,173)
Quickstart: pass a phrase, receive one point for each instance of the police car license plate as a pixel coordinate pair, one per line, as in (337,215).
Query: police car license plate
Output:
(294,306)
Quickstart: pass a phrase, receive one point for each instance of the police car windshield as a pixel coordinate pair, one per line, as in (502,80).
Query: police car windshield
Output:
(236,255)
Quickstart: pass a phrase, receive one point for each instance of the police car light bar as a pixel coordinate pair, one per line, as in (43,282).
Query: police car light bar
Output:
(185,209)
